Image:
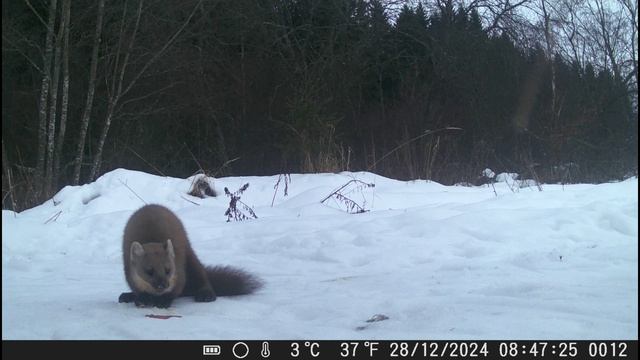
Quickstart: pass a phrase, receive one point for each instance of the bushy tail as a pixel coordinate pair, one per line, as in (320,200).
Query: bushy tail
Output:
(229,281)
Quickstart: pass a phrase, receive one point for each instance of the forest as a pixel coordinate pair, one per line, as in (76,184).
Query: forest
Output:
(433,89)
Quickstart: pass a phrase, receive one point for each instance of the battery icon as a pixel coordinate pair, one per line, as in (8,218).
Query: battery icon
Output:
(211,350)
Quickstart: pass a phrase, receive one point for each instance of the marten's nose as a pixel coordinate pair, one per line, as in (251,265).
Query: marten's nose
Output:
(161,285)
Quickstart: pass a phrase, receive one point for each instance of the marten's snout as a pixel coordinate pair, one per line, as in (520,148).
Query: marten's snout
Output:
(161,284)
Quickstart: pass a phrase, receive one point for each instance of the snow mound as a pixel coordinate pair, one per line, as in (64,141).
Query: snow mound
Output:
(433,261)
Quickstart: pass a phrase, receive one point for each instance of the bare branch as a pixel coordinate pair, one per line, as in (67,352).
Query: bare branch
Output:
(162,50)
(36,13)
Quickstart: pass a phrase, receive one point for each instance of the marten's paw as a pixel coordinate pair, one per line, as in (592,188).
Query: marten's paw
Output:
(145,300)
(127,297)
(163,302)
(205,295)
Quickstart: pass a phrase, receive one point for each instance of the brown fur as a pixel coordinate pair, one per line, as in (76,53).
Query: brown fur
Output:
(157,275)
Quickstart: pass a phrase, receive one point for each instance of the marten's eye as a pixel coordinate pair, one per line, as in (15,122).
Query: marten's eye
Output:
(150,272)
(167,271)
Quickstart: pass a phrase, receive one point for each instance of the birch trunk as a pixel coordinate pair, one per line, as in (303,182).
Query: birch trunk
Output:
(121,90)
(66,20)
(86,114)
(44,96)
(53,110)
(114,96)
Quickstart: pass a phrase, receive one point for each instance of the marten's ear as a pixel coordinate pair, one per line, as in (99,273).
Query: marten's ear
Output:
(168,246)
(137,250)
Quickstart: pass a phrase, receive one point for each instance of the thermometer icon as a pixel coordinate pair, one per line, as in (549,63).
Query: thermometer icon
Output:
(265,350)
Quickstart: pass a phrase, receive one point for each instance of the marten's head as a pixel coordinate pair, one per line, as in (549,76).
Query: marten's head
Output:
(153,267)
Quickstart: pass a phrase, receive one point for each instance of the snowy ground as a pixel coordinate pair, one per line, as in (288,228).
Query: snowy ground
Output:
(441,262)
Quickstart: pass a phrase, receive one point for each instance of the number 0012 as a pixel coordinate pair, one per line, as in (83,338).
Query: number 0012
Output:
(608,349)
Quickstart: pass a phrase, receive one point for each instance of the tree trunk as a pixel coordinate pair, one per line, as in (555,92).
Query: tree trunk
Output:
(44,96)
(550,47)
(86,114)
(53,110)
(6,173)
(66,20)
(606,39)
(632,12)
(115,94)
(97,161)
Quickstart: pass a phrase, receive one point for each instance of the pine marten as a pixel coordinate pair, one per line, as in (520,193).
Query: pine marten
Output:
(160,265)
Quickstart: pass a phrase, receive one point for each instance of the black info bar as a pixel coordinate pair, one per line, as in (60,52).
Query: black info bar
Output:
(324,349)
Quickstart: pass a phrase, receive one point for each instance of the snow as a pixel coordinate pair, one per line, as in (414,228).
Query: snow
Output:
(488,173)
(429,261)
